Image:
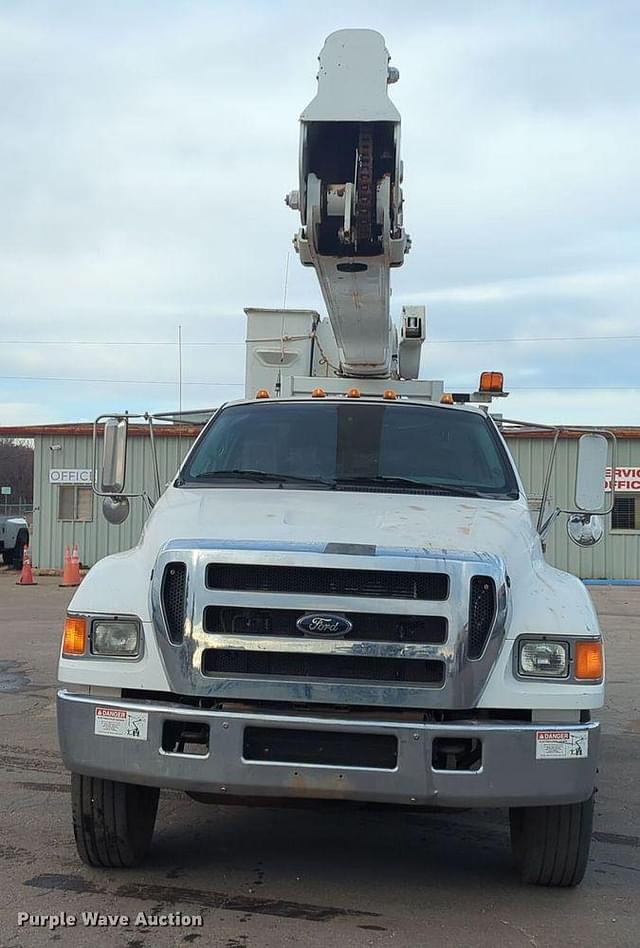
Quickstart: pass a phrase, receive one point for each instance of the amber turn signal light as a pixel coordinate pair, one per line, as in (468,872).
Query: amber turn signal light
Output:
(589,661)
(491,382)
(75,635)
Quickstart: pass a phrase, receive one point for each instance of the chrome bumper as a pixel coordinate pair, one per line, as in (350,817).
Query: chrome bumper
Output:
(510,774)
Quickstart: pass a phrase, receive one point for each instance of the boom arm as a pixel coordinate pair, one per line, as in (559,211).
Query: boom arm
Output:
(350,198)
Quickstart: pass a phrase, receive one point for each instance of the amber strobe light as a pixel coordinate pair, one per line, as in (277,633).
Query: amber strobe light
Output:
(75,635)
(491,382)
(589,664)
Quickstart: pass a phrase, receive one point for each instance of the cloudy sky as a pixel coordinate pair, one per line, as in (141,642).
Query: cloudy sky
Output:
(145,148)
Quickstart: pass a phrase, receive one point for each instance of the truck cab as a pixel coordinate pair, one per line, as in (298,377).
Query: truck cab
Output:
(342,594)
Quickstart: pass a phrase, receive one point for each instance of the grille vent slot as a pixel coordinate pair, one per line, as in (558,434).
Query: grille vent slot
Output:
(226,661)
(174,594)
(482,610)
(369,627)
(328,581)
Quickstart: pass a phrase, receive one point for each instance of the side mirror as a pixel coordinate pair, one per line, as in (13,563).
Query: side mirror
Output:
(114,456)
(590,474)
(585,529)
(115,509)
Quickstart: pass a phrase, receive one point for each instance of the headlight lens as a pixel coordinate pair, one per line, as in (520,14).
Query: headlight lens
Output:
(119,637)
(544,659)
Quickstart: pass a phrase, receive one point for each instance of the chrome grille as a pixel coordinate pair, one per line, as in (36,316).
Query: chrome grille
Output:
(241,605)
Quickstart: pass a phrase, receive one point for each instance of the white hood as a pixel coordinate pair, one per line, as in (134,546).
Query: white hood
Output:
(319,516)
(543,599)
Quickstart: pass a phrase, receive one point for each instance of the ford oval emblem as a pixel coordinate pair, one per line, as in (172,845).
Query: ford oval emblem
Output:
(325,625)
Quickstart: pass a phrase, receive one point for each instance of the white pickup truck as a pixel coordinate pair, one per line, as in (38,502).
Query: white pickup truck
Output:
(341,595)
(14,539)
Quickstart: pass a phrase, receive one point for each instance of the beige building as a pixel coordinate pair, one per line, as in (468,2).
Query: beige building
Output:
(66,512)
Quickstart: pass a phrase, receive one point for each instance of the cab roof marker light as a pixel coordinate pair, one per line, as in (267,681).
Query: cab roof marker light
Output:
(492,382)
(318,393)
(262,393)
(353,393)
(446,398)
(389,394)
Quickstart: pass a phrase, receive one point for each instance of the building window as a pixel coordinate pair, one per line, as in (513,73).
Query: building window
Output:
(626,512)
(75,503)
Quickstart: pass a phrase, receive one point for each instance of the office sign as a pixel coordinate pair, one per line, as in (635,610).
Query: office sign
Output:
(627,479)
(70,476)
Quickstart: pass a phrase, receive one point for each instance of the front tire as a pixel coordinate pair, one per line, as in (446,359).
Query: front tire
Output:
(112,822)
(550,844)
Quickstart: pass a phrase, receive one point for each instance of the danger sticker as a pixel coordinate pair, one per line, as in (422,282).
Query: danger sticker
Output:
(115,722)
(562,744)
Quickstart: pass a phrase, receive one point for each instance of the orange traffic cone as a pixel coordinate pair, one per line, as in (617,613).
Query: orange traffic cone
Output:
(26,576)
(67,574)
(75,566)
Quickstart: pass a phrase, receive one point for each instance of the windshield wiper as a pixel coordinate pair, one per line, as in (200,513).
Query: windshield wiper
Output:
(266,477)
(414,484)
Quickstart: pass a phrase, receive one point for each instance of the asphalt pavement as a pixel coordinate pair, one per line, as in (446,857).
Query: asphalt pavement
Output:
(266,878)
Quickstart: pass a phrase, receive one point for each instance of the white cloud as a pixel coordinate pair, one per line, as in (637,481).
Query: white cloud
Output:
(25,413)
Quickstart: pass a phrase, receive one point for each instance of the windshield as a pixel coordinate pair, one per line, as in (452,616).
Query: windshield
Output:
(350,445)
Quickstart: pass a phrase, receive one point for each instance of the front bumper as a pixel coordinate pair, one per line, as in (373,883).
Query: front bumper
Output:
(509,775)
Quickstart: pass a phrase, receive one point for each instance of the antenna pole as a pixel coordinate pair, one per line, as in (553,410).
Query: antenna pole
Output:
(180,368)
(286,281)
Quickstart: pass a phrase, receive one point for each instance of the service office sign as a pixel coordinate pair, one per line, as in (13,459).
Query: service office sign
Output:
(66,476)
(627,479)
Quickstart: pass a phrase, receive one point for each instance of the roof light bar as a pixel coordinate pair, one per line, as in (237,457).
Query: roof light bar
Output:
(491,382)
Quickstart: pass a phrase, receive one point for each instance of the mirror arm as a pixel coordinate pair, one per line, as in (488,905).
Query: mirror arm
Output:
(543,527)
(614,459)
(94,471)
(150,504)
(154,455)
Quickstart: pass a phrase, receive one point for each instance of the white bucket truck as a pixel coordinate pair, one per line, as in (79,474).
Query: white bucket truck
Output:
(341,595)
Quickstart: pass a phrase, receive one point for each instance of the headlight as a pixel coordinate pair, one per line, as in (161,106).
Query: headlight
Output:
(544,659)
(118,637)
